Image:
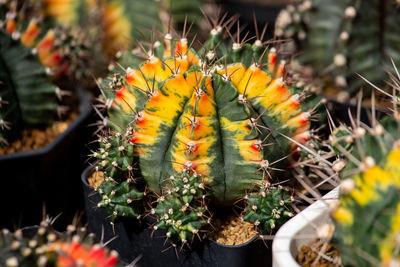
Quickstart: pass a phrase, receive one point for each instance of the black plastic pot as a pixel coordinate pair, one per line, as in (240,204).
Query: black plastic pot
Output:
(47,176)
(136,240)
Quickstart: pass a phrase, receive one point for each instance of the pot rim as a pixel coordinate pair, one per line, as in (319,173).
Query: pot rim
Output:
(282,255)
(84,111)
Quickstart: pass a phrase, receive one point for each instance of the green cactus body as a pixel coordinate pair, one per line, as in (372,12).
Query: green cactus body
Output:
(27,97)
(342,38)
(115,156)
(268,208)
(181,208)
(367,220)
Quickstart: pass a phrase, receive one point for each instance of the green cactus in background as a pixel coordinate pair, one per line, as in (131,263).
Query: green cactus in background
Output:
(341,38)
(367,219)
(78,38)
(43,246)
(67,49)
(27,97)
(125,21)
(219,117)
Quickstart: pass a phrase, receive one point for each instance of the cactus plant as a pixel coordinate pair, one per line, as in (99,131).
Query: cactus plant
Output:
(46,247)
(367,228)
(126,21)
(204,126)
(27,97)
(335,38)
(80,37)
(65,48)
(367,219)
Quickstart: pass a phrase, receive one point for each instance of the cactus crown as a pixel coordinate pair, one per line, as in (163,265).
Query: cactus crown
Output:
(336,38)
(43,246)
(27,97)
(367,217)
(221,116)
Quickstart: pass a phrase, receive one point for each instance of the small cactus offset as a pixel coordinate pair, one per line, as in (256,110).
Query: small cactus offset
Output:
(341,38)
(181,208)
(118,190)
(221,117)
(27,97)
(367,225)
(268,208)
(46,247)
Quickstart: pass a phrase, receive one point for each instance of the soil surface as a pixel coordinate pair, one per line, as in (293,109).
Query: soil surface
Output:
(96,179)
(232,231)
(309,253)
(35,138)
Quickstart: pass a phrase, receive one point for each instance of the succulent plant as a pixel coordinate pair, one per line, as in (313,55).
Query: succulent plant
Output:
(43,246)
(367,215)
(367,219)
(203,127)
(27,97)
(126,21)
(269,207)
(64,48)
(334,38)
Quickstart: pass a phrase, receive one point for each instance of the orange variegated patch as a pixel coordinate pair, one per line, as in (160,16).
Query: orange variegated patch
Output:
(29,36)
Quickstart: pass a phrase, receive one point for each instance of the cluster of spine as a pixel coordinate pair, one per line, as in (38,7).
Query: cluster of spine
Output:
(367,217)
(268,208)
(224,113)
(181,208)
(27,97)
(46,247)
(336,38)
(118,190)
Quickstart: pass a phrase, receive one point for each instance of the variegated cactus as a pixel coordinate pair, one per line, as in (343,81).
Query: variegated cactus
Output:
(43,246)
(63,46)
(367,217)
(335,38)
(27,97)
(221,119)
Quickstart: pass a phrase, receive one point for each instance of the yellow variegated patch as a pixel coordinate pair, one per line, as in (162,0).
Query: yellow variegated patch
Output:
(62,10)
(366,182)
(240,130)
(388,245)
(117,28)
(343,216)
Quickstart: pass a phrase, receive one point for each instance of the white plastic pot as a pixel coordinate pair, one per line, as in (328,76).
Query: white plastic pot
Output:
(300,230)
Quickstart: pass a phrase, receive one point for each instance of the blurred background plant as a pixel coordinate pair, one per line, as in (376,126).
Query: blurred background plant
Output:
(79,38)
(340,39)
